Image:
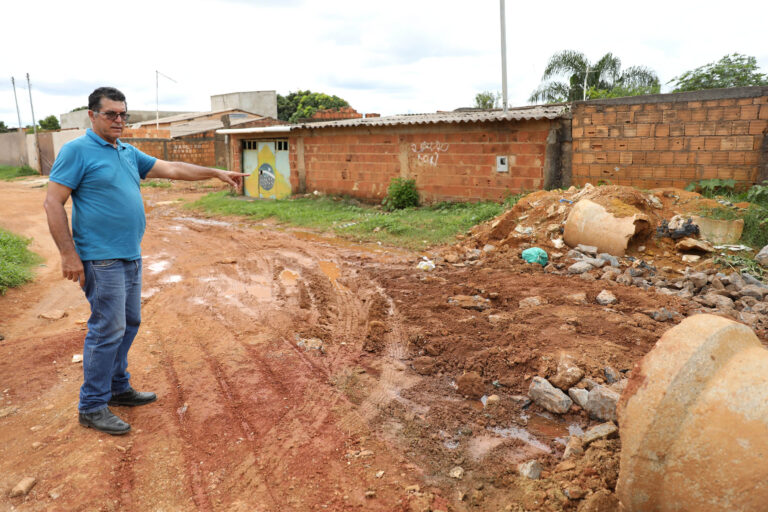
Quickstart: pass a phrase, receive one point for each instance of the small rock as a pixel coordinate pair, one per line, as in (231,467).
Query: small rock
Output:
(530,469)
(574,492)
(595,262)
(489,248)
(36,445)
(521,401)
(579,396)
(575,255)
(601,403)
(36,428)
(601,501)
(580,267)
(531,302)
(77,358)
(611,375)
(689,258)
(691,244)
(370,494)
(566,465)
(619,386)
(754,291)
(601,431)
(22,488)
(574,447)
(715,300)
(471,385)
(492,400)
(568,373)
(586,276)
(457,473)
(311,344)
(549,397)
(587,249)
(762,256)
(577,298)
(748,318)
(412,488)
(698,279)
(54,314)
(558,242)
(379,474)
(610,274)
(451,257)
(610,259)
(473,254)
(475,302)
(8,411)
(662,315)
(605,298)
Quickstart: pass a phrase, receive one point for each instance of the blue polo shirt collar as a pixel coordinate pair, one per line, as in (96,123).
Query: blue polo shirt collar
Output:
(89,132)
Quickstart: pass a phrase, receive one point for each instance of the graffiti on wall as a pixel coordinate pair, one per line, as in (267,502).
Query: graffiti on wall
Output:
(429,152)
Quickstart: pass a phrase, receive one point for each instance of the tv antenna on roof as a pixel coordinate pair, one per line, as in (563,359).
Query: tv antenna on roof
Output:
(157,96)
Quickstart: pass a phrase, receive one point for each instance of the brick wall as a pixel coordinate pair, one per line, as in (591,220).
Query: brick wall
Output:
(670,139)
(448,162)
(199,148)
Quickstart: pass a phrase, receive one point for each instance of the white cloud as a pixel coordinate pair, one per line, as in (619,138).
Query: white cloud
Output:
(392,57)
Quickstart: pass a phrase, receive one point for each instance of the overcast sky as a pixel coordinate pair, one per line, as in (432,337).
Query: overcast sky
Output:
(388,57)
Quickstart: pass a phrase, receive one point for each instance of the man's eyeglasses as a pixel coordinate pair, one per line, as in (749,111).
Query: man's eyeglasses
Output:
(114,115)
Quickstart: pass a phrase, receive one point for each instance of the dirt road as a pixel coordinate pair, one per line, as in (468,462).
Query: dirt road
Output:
(296,372)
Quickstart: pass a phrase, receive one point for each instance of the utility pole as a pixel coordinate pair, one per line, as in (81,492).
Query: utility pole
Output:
(23,152)
(157,97)
(503,55)
(584,89)
(34,125)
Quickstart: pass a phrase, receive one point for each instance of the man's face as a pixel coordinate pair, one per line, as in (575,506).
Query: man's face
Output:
(105,128)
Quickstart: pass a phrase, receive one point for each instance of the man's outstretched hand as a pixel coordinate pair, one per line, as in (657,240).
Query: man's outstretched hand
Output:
(233,178)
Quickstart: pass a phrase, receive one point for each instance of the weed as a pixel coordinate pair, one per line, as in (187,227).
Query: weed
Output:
(401,193)
(719,213)
(755,232)
(758,194)
(713,187)
(9,172)
(15,261)
(740,263)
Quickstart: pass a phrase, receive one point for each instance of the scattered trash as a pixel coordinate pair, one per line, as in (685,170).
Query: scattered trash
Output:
(733,248)
(677,227)
(426,264)
(536,255)
(563,200)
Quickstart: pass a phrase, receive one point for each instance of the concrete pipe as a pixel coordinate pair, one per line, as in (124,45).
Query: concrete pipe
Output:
(694,422)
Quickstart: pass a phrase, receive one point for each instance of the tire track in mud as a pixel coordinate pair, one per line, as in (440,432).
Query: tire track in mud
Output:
(199,495)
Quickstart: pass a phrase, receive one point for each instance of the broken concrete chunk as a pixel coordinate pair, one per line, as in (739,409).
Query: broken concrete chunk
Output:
(457,473)
(549,397)
(530,469)
(756,292)
(719,232)
(575,255)
(698,279)
(601,403)
(592,224)
(609,258)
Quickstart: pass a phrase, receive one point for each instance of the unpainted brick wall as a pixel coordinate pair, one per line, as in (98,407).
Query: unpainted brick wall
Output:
(448,162)
(671,139)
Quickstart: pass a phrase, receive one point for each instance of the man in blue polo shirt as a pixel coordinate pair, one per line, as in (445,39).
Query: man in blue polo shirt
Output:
(103,250)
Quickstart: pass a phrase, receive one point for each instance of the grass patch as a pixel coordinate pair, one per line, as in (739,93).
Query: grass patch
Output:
(718,213)
(414,228)
(740,263)
(156,183)
(9,172)
(15,261)
(755,232)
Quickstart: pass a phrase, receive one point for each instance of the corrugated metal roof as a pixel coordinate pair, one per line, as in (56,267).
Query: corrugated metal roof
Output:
(466,116)
(190,116)
(204,125)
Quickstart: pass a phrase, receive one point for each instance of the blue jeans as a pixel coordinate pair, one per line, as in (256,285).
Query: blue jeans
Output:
(113,288)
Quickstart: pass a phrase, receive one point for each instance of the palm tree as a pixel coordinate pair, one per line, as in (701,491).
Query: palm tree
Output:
(604,75)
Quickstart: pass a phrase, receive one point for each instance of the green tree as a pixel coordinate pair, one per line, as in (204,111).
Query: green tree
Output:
(84,107)
(487,100)
(734,70)
(604,75)
(4,128)
(49,123)
(303,104)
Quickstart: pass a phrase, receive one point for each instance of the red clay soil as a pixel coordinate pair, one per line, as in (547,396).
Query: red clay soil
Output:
(296,372)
